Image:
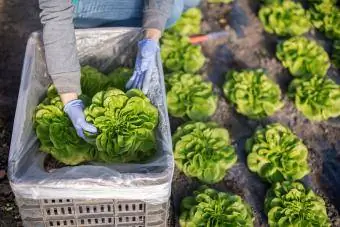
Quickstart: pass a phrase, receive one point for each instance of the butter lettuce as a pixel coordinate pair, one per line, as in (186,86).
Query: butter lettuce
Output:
(276,154)
(188,24)
(209,207)
(253,93)
(285,19)
(189,95)
(57,135)
(325,16)
(317,98)
(303,57)
(203,150)
(126,123)
(291,204)
(336,53)
(179,55)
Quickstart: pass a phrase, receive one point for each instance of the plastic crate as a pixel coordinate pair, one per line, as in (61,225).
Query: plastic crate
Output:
(130,195)
(86,213)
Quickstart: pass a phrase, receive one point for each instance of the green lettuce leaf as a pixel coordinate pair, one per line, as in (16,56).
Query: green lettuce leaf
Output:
(92,81)
(325,16)
(203,150)
(179,55)
(268,2)
(285,19)
(57,135)
(126,124)
(336,54)
(188,95)
(220,1)
(253,93)
(317,98)
(118,78)
(276,154)
(303,57)
(291,204)
(209,208)
(188,24)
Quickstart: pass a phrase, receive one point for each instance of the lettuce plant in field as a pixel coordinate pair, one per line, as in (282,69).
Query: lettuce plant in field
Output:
(126,124)
(179,55)
(57,134)
(291,204)
(276,154)
(325,16)
(285,19)
(188,24)
(317,98)
(330,2)
(220,1)
(189,95)
(253,93)
(267,2)
(303,57)
(203,150)
(209,207)
(336,53)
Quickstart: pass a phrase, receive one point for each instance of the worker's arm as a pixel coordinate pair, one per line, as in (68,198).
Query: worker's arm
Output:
(62,60)
(60,47)
(156,13)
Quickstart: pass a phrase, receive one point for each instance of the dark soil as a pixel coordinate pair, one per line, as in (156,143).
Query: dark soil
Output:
(247,46)
(17,20)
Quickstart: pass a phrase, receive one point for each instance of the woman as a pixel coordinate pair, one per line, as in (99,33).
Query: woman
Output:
(59,17)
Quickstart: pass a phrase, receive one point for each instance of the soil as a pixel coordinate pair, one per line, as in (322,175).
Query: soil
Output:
(17,20)
(246,46)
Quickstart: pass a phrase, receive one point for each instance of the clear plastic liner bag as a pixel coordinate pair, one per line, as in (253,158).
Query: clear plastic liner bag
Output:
(104,49)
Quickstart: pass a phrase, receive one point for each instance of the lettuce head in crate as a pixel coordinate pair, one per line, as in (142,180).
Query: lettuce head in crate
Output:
(56,133)
(126,124)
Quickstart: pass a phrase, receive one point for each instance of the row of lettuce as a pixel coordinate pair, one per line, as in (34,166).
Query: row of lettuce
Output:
(203,150)
(126,122)
(288,18)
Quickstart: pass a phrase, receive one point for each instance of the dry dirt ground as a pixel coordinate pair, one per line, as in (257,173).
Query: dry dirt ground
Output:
(247,46)
(17,20)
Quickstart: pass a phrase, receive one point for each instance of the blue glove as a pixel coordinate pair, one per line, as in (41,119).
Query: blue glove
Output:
(75,111)
(145,64)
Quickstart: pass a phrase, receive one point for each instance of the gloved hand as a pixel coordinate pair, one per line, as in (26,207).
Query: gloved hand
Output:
(75,111)
(145,63)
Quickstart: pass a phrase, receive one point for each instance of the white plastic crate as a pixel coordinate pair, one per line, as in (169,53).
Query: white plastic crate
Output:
(92,194)
(86,213)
